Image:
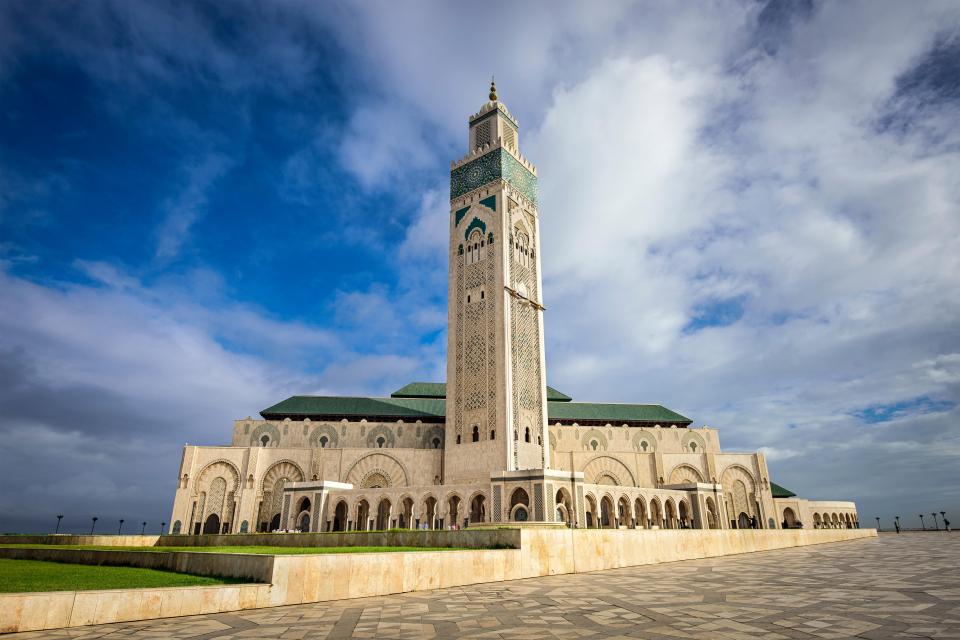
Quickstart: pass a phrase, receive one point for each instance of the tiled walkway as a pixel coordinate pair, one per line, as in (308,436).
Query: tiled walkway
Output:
(905,586)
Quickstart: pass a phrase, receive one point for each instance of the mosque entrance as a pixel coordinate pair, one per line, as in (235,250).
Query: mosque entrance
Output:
(478,508)
(212,525)
(743,521)
(340,517)
(789,519)
(383,515)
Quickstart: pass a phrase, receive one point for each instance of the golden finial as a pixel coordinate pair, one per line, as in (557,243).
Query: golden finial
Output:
(493,90)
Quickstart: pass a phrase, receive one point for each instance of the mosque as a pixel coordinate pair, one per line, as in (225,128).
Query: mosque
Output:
(494,444)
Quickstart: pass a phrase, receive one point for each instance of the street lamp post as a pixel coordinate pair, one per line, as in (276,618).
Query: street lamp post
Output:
(878,524)
(163,526)
(95,518)
(59,518)
(923,526)
(143,529)
(120,528)
(936,523)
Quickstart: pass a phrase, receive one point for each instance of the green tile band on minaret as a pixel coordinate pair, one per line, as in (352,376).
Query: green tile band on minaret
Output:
(495,165)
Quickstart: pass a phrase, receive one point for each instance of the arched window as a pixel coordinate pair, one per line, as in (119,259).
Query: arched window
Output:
(693,447)
(539,441)
(476,433)
(526,434)
(264,441)
(476,247)
(493,434)
(323,442)
(521,243)
(436,443)
(460,250)
(594,444)
(380,442)
(458,438)
(490,238)
(644,445)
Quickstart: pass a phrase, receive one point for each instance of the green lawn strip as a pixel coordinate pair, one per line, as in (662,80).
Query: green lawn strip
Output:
(259,550)
(18,576)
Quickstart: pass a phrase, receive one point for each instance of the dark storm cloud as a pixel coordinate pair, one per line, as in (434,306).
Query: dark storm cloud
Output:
(27,399)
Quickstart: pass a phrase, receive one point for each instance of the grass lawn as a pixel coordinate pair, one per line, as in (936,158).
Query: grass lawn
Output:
(260,550)
(17,576)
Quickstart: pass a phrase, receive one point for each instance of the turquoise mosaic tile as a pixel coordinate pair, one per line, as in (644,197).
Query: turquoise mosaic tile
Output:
(492,166)
(476,223)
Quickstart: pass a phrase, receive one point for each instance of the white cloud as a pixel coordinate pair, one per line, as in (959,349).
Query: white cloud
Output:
(182,211)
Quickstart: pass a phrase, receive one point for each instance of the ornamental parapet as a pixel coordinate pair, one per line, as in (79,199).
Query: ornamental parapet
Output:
(491,146)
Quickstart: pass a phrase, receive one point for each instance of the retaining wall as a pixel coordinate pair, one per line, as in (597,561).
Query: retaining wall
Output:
(467,538)
(244,566)
(300,579)
(105,541)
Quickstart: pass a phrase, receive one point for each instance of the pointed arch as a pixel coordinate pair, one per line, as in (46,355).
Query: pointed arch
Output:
(377,470)
(685,473)
(608,470)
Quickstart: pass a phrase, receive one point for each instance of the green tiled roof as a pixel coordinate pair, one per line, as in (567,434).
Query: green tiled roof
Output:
(429,406)
(426,409)
(555,396)
(421,390)
(439,390)
(614,413)
(780,492)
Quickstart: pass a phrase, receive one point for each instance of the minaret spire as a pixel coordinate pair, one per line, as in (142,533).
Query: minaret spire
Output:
(493,90)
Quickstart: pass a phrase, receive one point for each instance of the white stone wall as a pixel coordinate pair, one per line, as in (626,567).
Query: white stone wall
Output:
(339,434)
(818,514)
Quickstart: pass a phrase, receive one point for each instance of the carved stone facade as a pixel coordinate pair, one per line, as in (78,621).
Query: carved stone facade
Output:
(495,444)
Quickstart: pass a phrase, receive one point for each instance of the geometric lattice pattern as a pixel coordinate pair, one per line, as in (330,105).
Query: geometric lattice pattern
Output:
(525,356)
(496,164)
(905,586)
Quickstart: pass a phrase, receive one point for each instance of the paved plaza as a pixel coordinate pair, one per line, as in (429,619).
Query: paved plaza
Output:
(905,586)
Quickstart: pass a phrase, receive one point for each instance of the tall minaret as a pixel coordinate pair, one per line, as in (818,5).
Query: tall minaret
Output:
(496,387)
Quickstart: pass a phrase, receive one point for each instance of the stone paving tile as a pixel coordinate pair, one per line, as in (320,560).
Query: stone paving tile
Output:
(895,587)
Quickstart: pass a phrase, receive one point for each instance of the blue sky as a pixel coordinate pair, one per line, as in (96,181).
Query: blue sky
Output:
(750,215)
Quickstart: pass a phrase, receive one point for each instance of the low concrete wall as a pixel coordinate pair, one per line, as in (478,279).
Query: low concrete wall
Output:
(465,538)
(243,566)
(55,610)
(584,550)
(300,579)
(107,541)
(318,578)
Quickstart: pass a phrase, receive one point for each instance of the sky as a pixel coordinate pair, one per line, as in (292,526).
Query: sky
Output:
(750,214)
